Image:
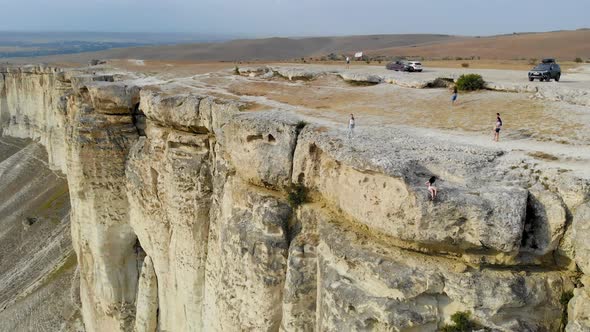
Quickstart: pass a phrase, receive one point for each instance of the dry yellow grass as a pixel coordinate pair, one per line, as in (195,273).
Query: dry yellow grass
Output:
(563,45)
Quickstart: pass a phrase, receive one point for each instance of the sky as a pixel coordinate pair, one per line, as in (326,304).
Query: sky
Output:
(266,18)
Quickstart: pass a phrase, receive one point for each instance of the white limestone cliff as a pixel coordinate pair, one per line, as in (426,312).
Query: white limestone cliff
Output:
(183,217)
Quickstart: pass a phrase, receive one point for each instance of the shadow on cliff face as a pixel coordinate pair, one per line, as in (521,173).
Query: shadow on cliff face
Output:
(38,281)
(545,223)
(533,236)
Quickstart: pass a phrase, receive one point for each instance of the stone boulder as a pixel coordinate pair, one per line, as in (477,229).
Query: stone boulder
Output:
(113,98)
(260,146)
(359,77)
(296,74)
(393,200)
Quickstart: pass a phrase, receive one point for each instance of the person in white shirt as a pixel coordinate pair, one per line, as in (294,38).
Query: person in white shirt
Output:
(351,125)
(347,62)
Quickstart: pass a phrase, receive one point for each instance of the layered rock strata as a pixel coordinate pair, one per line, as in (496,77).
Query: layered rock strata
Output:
(38,279)
(189,215)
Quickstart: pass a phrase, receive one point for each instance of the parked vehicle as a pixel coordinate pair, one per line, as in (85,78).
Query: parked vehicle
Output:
(545,71)
(414,66)
(398,66)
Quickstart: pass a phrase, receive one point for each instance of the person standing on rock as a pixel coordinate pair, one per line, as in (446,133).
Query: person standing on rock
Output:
(351,124)
(497,127)
(432,189)
(454,96)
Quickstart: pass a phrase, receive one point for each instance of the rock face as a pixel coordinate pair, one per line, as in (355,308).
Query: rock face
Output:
(147,299)
(581,236)
(392,200)
(579,310)
(190,215)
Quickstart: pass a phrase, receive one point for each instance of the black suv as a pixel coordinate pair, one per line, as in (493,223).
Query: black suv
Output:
(398,66)
(546,70)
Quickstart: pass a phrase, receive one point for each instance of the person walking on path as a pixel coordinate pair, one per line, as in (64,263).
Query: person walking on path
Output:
(432,189)
(347,62)
(497,127)
(351,125)
(454,96)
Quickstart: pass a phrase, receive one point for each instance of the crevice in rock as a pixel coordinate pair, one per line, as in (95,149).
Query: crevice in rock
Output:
(139,120)
(293,227)
(139,256)
(251,138)
(298,129)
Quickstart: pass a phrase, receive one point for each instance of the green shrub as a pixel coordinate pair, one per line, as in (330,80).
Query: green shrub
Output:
(300,124)
(578,60)
(297,195)
(470,82)
(236,70)
(461,323)
(465,65)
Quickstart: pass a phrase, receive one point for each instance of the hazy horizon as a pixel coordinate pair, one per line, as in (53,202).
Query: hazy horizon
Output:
(290,18)
(227,37)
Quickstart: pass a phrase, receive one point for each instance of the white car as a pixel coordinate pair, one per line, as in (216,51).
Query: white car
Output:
(414,66)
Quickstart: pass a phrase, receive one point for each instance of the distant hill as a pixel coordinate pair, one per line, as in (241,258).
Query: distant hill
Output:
(260,49)
(560,44)
(564,45)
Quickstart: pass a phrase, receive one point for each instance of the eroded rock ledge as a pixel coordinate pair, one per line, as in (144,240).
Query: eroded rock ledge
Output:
(197,192)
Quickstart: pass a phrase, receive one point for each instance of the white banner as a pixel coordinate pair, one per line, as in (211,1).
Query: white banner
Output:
(358,55)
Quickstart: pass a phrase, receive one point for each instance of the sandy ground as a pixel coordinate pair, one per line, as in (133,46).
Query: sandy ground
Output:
(559,130)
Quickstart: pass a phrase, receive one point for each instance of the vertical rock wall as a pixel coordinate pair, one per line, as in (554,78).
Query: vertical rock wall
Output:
(100,133)
(184,218)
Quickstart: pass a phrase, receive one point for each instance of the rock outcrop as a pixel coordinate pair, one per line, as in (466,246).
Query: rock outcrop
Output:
(190,215)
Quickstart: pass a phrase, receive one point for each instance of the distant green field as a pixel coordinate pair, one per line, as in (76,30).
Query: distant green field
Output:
(33,44)
(56,48)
